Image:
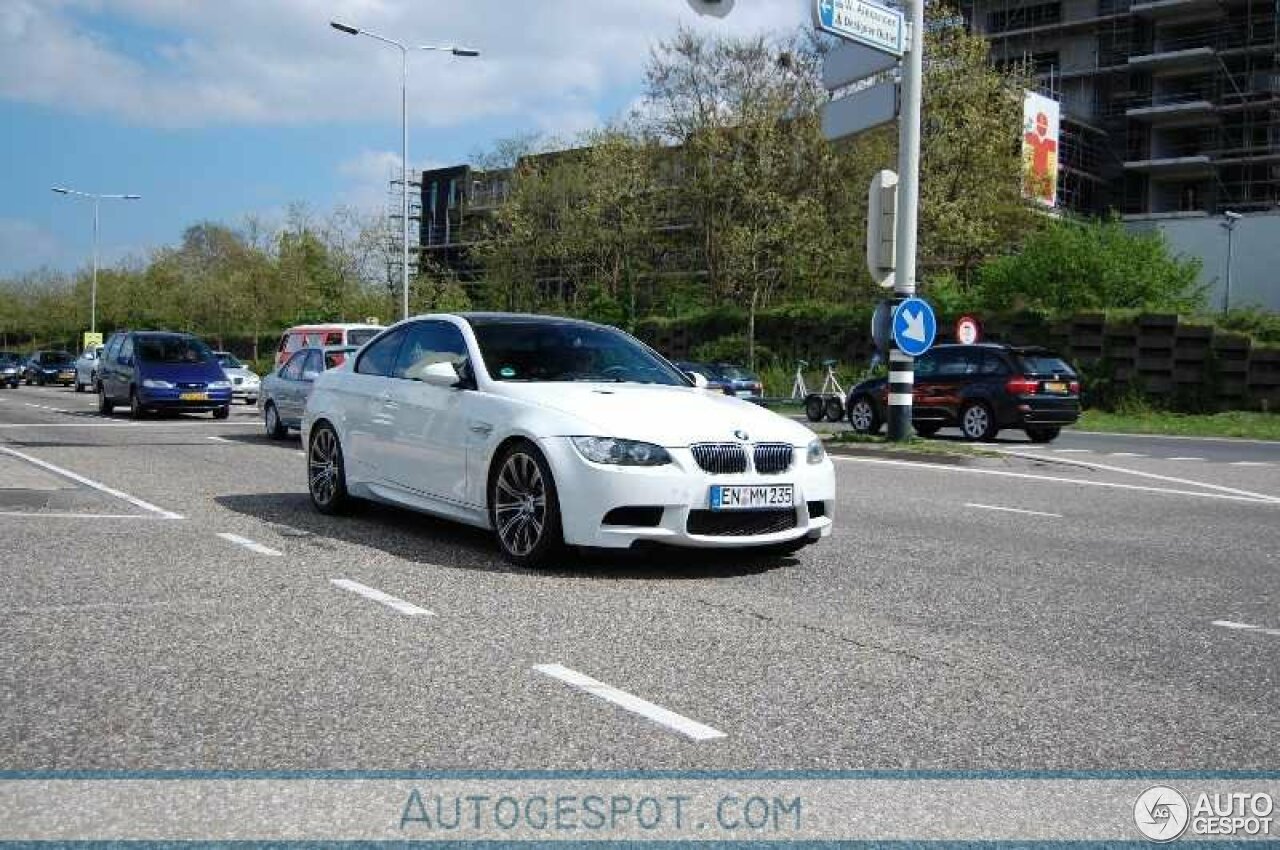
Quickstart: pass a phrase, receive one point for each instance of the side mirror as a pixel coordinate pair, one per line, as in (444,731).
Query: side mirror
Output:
(699,380)
(126,361)
(439,374)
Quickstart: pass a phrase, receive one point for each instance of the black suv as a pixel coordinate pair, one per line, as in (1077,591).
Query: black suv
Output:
(980,389)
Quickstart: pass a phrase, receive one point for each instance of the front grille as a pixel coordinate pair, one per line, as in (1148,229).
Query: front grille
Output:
(720,458)
(772,458)
(237,381)
(740,523)
(190,386)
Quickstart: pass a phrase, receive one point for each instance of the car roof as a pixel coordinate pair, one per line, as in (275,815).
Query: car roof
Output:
(483,318)
(995,346)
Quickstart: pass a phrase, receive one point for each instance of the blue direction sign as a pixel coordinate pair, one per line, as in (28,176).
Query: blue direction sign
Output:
(914,326)
(869,23)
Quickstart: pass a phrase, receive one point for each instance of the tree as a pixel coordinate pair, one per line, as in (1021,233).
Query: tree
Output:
(1068,266)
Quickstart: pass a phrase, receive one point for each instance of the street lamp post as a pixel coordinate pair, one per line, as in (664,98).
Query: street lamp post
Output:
(1231,219)
(404,137)
(97,200)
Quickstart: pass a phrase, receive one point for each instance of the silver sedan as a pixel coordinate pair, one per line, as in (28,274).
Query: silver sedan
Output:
(286,390)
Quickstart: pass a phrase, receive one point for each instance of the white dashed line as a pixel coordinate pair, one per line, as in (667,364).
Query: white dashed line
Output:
(80,479)
(1074,451)
(251,545)
(1011,510)
(217,439)
(1186,458)
(1126,454)
(1245,627)
(656,713)
(1249,463)
(51,515)
(384,598)
(1090,464)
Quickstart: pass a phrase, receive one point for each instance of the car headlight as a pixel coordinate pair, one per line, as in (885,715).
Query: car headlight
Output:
(816,453)
(153,384)
(219,385)
(621,452)
(252,379)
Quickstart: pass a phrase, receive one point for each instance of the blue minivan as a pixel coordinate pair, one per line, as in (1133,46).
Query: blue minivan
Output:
(160,370)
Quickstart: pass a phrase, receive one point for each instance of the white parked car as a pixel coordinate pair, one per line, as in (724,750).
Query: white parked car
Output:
(245,383)
(87,369)
(555,432)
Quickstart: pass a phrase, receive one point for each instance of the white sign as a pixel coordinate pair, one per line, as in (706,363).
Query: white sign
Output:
(849,62)
(862,110)
(858,20)
(967,330)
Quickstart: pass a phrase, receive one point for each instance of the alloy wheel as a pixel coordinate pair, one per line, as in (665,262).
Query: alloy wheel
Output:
(323,466)
(976,422)
(520,504)
(861,415)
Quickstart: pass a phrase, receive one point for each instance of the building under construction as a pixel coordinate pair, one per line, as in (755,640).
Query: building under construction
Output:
(1169,106)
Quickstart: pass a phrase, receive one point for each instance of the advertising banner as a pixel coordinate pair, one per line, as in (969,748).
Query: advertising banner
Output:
(1040,125)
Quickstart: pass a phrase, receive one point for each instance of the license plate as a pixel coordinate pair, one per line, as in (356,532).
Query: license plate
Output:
(744,393)
(194,396)
(1055,387)
(745,497)
(66,374)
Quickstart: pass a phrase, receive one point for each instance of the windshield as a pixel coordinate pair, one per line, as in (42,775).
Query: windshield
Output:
(360,337)
(736,373)
(522,350)
(1045,364)
(228,361)
(173,349)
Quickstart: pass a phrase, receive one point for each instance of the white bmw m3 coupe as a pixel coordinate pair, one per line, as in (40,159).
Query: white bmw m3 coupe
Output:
(556,432)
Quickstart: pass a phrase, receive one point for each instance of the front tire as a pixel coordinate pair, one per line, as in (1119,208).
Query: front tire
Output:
(1043,435)
(524,508)
(105,405)
(136,410)
(978,423)
(221,412)
(79,386)
(326,472)
(864,418)
(271,422)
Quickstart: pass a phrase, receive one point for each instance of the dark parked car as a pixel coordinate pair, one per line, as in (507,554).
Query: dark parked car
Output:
(10,369)
(159,370)
(738,381)
(50,367)
(980,389)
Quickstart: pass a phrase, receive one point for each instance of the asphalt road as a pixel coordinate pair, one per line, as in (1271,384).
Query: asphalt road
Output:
(1084,611)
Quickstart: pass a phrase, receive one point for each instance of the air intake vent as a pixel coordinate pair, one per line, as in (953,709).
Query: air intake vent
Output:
(772,458)
(721,458)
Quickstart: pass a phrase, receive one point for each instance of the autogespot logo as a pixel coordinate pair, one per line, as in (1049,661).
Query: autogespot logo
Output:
(1160,813)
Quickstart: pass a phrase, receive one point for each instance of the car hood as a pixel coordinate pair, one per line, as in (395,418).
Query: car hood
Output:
(182,371)
(668,416)
(239,372)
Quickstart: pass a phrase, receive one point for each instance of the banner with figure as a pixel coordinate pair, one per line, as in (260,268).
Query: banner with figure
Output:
(1040,119)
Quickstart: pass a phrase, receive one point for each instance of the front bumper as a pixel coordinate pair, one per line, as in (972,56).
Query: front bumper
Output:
(172,399)
(58,377)
(246,392)
(589,491)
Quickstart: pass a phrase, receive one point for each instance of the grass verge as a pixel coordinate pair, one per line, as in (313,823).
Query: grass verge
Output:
(1237,423)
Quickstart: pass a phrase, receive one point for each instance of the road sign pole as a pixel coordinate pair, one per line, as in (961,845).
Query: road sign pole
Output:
(901,365)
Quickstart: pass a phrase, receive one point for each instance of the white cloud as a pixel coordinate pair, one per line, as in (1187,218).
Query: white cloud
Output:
(368,176)
(196,62)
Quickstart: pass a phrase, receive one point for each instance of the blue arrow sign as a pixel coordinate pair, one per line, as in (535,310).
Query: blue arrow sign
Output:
(879,27)
(914,326)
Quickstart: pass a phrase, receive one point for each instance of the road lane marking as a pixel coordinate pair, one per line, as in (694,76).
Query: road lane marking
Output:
(1011,510)
(218,439)
(251,545)
(88,482)
(1076,432)
(384,598)
(1249,463)
(185,424)
(1125,454)
(1166,478)
(1074,451)
(1246,627)
(51,515)
(1186,458)
(631,702)
(909,464)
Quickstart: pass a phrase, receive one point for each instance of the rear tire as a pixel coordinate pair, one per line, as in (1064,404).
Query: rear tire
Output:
(834,409)
(1043,435)
(105,406)
(326,472)
(524,508)
(977,422)
(276,429)
(814,408)
(864,418)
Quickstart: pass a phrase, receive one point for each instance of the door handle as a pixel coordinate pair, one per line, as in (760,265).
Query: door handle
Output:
(481,427)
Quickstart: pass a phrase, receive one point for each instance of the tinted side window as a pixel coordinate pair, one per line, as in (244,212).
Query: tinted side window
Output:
(333,338)
(953,363)
(993,364)
(426,343)
(292,371)
(126,348)
(380,357)
(927,364)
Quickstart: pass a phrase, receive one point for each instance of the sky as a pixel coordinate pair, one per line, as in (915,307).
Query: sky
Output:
(220,109)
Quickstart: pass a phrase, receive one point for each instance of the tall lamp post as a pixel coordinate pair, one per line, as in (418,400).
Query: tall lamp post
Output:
(1231,219)
(404,136)
(97,200)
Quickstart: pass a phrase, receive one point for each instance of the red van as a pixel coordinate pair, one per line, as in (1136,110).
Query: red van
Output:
(320,336)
